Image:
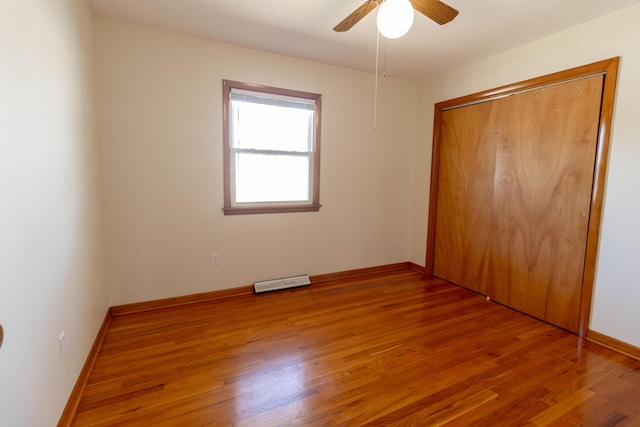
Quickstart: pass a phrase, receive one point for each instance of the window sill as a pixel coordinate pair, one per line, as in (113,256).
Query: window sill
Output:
(271,209)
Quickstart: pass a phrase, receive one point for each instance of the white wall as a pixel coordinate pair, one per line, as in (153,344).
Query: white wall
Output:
(50,223)
(160,126)
(617,292)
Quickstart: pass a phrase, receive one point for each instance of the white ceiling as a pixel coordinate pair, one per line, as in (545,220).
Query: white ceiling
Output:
(304,28)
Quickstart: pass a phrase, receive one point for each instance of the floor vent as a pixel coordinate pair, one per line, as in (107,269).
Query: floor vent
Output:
(276,284)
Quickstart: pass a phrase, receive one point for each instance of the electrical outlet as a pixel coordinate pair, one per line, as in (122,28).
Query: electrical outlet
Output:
(62,346)
(215,259)
(395,240)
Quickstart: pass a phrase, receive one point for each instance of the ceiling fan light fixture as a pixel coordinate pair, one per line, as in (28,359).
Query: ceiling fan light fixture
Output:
(395,18)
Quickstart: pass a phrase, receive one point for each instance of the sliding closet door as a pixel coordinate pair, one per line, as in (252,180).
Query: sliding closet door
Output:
(465,193)
(513,201)
(541,199)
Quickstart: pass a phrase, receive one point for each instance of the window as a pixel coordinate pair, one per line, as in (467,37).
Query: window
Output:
(271,149)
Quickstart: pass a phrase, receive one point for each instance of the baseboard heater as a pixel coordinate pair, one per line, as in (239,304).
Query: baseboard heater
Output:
(285,283)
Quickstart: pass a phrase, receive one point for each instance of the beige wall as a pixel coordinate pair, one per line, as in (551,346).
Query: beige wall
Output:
(50,223)
(617,290)
(160,127)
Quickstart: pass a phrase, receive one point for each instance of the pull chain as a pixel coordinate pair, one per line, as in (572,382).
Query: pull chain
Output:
(384,60)
(384,74)
(375,90)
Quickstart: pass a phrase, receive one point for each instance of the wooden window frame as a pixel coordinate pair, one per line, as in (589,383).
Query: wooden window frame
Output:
(231,208)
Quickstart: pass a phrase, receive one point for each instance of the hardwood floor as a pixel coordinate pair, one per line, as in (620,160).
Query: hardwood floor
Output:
(390,349)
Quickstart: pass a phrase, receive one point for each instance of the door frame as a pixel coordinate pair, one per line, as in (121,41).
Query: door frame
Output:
(608,68)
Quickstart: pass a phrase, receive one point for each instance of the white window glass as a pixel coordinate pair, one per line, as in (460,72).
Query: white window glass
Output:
(264,178)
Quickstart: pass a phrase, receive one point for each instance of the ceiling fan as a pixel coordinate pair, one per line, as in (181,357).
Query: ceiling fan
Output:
(432,9)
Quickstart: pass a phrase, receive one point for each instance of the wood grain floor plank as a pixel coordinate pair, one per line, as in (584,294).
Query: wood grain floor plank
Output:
(390,349)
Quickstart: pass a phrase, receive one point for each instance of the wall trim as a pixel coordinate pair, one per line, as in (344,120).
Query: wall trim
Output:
(415,267)
(322,278)
(613,344)
(137,307)
(74,398)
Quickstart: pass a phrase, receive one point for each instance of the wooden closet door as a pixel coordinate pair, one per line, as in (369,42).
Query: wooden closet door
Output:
(465,194)
(513,202)
(541,199)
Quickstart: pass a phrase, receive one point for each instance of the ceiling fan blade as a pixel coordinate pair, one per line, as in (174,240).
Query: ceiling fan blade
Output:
(435,10)
(356,15)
